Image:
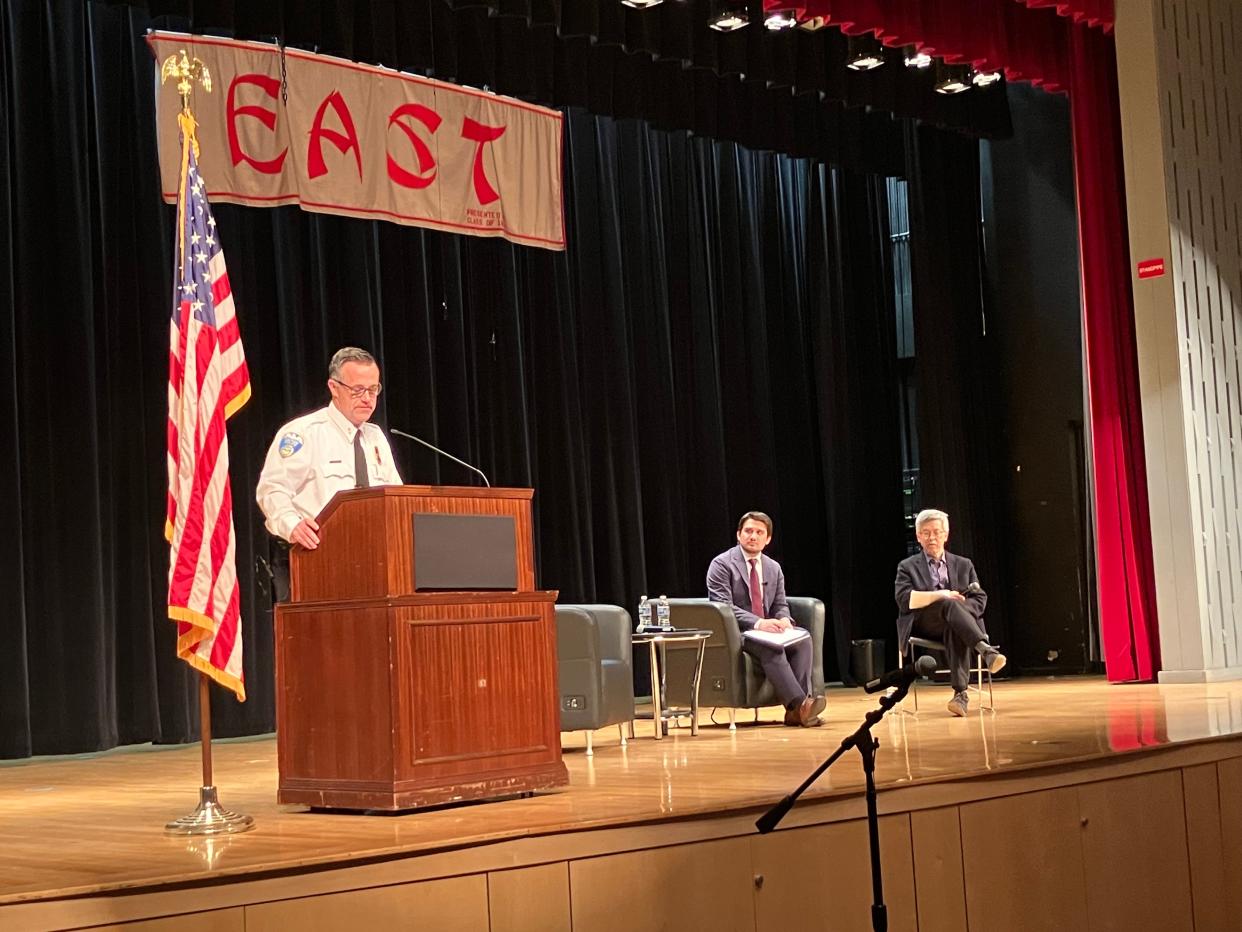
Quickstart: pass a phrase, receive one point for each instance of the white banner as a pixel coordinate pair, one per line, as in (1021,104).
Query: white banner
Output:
(337,137)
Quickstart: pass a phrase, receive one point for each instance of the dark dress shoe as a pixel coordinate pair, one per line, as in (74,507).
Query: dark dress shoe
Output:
(794,716)
(808,715)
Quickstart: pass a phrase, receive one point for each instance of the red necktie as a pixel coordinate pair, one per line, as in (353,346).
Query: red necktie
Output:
(756,590)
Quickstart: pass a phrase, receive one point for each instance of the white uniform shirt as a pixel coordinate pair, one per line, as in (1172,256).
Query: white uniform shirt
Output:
(311,459)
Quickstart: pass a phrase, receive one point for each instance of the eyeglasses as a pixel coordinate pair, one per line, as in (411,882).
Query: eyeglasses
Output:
(932,533)
(357,391)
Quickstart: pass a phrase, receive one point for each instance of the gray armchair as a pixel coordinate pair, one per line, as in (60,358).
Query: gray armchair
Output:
(733,679)
(594,668)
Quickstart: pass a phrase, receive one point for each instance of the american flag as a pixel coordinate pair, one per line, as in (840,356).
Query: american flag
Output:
(207,382)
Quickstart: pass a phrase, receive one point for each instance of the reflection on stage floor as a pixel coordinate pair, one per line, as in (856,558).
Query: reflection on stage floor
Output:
(86,824)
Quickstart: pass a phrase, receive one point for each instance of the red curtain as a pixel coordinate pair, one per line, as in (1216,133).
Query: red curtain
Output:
(1123,528)
(1091,12)
(1052,43)
(1028,45)
(920,20)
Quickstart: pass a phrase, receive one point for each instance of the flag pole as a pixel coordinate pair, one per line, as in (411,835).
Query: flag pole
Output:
(209,817)
(204,724)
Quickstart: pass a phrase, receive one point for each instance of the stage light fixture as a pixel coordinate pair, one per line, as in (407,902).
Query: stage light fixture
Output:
(984,78)
(778,20)
(812,23)
(728,15)
(916,58)
(641,4)
(863,52)
(952,79)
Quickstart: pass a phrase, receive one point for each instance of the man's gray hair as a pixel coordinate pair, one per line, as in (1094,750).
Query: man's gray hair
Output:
(348,354)
(930,514)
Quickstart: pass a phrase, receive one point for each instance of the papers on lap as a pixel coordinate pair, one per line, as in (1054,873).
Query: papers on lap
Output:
(777,639)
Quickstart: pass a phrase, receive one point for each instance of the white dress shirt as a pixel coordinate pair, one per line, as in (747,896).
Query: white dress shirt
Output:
(311,459)
(757,563)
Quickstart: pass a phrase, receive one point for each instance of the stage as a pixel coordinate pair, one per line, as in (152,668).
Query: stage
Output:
(1068,777)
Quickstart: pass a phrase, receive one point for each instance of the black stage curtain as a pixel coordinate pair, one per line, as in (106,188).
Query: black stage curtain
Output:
(716,338)
(960,456)
(786,92)
(858,404)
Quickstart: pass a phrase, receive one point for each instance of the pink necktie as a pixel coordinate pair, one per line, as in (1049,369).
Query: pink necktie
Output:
(756,591)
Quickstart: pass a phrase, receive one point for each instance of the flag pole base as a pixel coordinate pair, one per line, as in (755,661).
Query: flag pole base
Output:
(209,818)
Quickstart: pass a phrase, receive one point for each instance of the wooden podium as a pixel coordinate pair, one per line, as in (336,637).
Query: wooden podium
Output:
(395,690)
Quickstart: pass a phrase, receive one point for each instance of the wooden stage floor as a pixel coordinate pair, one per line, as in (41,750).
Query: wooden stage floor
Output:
(82,825)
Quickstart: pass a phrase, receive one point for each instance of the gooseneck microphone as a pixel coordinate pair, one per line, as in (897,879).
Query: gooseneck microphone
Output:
(436,449)
(924,666)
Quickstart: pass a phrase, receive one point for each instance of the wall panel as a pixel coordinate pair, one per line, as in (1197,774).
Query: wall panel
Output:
(530,899)
(454,904)
(1134,854)
(1179,81)
(1023,862)
(940,884)
(699,886)
(820,878)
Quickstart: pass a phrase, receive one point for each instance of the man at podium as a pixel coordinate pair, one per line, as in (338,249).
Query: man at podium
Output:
(318,454)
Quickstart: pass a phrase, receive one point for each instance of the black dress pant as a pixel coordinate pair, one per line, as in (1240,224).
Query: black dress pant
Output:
(953,623)
(278,567)
(787,668)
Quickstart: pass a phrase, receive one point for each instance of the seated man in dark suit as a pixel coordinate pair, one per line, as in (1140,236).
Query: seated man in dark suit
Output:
(939,597)
(753,585)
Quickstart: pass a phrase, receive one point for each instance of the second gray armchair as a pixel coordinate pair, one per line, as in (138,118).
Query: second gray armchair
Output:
(731,678)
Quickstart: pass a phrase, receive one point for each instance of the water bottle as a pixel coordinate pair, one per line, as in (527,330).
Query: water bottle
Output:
(644,614)
(662,614)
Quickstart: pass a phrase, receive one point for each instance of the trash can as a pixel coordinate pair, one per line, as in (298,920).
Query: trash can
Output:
(866,660)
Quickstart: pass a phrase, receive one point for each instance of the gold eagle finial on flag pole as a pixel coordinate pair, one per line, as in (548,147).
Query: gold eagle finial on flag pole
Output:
(186,70)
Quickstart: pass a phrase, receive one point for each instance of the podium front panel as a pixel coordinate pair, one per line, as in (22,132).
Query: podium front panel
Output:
(476,688)
(334,714)
(431,699)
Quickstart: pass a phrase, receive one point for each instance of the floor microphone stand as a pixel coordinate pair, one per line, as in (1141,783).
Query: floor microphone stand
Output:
(866,744)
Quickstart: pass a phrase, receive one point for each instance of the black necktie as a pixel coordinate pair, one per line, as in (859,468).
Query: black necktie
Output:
(361,479)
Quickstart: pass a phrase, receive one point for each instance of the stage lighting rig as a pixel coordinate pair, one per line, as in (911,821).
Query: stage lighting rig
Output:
(863,52)
(952,79)
(914,57)
(780,18)
(728,15)
(641,4)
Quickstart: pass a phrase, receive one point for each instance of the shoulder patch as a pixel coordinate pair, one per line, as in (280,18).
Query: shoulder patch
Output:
(290,443)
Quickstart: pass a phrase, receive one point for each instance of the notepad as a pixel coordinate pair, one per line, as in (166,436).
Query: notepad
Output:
(777,638)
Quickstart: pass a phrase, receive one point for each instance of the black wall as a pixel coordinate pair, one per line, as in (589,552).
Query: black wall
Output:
(1035,368)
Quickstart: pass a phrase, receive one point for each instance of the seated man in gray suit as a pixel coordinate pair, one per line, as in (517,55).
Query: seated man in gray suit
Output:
(754,587)
(939,597)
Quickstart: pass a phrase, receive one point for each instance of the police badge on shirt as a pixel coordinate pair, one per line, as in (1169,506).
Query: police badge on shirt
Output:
(290,443)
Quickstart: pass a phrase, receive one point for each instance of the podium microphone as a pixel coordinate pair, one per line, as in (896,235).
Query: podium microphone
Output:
(924,666)
(435,449)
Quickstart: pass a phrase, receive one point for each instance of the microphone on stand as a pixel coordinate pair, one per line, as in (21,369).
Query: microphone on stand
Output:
(435,449)
(924,666)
